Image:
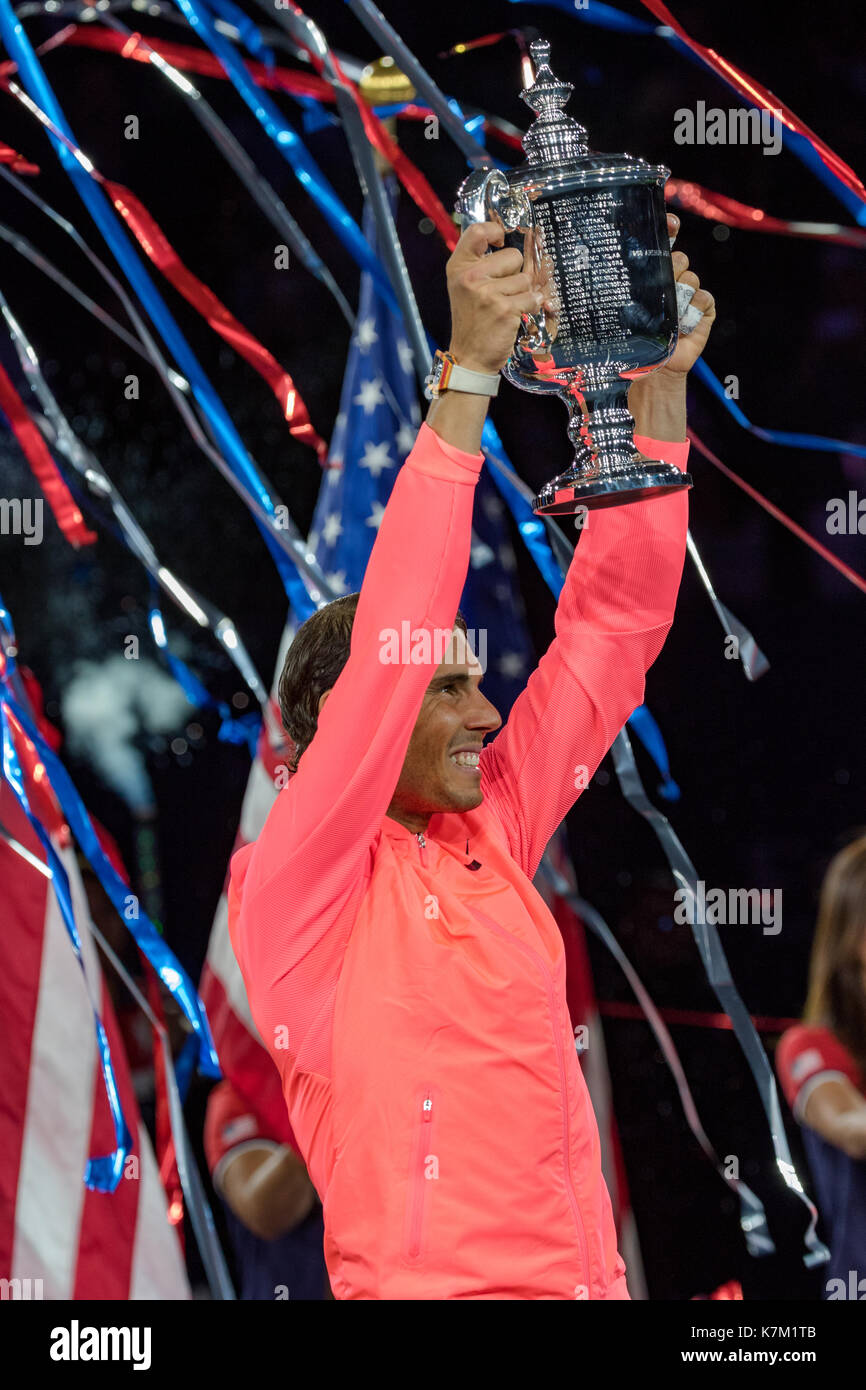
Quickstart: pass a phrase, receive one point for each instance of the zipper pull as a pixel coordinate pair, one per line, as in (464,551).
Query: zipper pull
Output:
(420,838)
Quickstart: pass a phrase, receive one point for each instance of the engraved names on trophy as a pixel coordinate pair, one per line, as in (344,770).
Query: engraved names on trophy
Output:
(582,236)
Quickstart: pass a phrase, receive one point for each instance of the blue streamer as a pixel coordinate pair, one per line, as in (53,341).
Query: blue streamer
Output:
(602,16)
(251,36)
(289,144)
(644,725)
(818,442)
(233,729)
(606,17)
(101,1174)
(145,934)
(19,47)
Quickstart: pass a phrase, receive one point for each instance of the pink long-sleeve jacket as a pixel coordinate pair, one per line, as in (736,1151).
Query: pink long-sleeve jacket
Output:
(415,1007)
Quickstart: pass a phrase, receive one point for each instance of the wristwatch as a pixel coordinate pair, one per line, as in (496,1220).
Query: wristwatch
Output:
(446,375)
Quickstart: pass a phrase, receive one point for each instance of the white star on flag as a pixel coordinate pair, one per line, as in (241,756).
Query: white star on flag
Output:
(480,553)
(506,558)
(511,664)
(376,457)
(370,395)
(493,506)
(332,528)
(367,334)
(405,439)
(404,352)
(337,582)
(375,517)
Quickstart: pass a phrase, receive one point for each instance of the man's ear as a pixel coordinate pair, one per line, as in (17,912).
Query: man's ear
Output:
(322,698)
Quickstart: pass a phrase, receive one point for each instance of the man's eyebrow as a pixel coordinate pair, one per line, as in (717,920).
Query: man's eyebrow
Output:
(462,677)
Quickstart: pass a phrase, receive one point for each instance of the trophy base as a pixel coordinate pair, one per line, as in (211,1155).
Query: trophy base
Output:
(572,491)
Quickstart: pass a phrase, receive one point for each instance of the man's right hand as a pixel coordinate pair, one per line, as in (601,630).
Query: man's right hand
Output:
(488,294)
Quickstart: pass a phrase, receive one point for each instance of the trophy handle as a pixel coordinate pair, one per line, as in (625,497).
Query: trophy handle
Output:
(487,196)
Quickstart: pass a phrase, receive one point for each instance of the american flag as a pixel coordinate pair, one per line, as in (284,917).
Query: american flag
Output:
(373,434)
(58,1240)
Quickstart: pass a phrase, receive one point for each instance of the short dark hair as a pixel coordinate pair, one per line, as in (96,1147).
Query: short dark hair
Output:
(317,655)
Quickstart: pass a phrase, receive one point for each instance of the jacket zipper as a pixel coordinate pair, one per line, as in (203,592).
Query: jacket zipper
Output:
(566,1129)
(423,1142)
(422,843)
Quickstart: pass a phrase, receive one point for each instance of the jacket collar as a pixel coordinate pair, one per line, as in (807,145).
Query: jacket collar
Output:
(447,827)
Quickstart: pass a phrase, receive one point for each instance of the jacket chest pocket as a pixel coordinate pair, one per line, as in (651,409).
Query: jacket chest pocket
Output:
(423,1172)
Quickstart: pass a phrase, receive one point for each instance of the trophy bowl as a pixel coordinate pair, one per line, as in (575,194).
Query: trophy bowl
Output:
(594,227)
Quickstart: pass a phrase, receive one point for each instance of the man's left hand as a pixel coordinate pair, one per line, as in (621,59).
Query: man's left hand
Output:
(690,345)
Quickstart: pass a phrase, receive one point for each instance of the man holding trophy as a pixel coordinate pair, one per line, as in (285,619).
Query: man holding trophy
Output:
(403,972)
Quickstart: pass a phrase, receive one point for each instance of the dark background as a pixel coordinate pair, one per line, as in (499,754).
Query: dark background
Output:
(772,774)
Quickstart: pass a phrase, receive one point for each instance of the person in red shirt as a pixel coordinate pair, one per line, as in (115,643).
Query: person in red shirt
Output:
(822,1068)
(273,1214)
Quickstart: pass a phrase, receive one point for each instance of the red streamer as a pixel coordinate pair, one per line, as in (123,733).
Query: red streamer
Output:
(409,174)
(761,96)
(16,161)
(189,59)
(43,467)
(856,579)
(696,1018)
(162,254)
(717,207)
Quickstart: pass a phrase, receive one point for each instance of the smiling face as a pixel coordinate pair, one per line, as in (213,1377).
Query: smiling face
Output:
(440,771)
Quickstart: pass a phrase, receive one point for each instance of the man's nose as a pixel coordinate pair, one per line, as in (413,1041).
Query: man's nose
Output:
(483,714)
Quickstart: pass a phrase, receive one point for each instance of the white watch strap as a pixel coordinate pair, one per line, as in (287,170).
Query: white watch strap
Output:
(475,383)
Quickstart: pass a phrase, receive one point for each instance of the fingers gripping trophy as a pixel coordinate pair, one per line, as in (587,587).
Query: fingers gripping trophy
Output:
(593,230)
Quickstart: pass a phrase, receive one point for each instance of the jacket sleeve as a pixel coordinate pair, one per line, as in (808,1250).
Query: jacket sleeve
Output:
(613,615)
(312,858)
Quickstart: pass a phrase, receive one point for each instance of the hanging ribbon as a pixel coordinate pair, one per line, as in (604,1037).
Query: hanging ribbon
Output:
(717,207)
(66,513)
(753,1217)
(757,95)
(146,936)
(287,550)
(808,147)
(233,152)
(853,578)
(718,974)
(104,1173)
(162,254)
(650,735)
(448,111)
(180,1149)
(137,542)
(789,440)
(288,142)
(232,729)
(16,161)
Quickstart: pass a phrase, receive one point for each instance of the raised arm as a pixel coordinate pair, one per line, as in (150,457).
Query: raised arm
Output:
(613,615)
(312,855)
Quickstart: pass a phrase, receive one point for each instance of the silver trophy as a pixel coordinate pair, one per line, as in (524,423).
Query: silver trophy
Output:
(595,226)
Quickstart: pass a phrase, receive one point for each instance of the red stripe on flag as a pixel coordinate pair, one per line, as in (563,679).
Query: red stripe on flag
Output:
(108,1219)
(24,895)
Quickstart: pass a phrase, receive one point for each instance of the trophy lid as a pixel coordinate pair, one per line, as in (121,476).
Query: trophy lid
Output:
(553,136)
